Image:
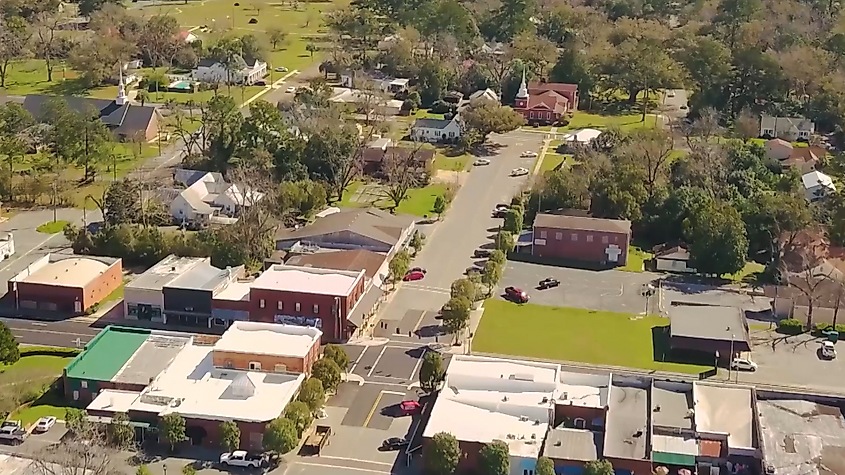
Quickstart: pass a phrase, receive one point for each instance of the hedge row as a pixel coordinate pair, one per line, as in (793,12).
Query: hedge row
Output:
(818,328)
(48,351)
(791,326)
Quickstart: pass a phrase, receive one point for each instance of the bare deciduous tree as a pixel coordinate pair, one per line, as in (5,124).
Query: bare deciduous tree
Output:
(401,169)
(652,148)
(85,454)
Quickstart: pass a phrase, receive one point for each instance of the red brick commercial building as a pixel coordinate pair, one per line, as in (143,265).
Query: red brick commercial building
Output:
(580,238)
(321,298)
(67,284)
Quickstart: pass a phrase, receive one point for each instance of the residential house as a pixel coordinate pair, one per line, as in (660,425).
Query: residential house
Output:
(186,36)
(581,238)
(484,94)
(778,149)
(673,259)
(787,128)
(375,153)
(126,121)
(803,159)
(817,185)
(209,70)
(436,130)
(360,100)
(208,196)
(545,103)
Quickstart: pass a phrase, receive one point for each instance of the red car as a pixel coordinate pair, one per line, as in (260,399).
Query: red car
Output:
(516,295)
(409,408)
(414,275)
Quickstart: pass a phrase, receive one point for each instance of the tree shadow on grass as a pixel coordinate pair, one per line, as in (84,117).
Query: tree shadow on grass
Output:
(69,87)
(662,352)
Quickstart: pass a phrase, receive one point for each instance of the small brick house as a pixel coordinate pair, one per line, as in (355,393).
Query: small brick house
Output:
(581,238)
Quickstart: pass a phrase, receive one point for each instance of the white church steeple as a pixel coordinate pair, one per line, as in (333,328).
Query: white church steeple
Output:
(523,88)
(121,89)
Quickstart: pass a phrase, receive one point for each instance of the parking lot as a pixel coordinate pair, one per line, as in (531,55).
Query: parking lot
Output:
(390,363)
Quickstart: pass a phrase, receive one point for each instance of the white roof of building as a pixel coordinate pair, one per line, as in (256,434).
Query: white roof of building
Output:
(235,291)
(269,339)
(308,280)
(192,387)
(676,444)
(816,178)
(724,410)
(486,399)
(582,135)
(488,94)
(70,272)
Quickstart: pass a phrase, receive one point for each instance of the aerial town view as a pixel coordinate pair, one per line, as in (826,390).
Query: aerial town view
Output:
(429,237)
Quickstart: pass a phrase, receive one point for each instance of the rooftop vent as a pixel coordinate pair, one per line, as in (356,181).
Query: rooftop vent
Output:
(523,419)
(657,408)
(505,399)
(565,396)
(638,433)
(545,400)
(557,443)
(533,436)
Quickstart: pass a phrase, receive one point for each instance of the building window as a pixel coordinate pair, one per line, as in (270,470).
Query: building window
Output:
(558,236)
(84,384)
(580,423)
(76,395)
(316,308)
(280,368)
(531,114)
(280,305)
(298,307)
(542,235)
(589,238)
(254,366)
(574,237)
(604,239)
(229,364)
(261,303)
(803,133)
(769,132)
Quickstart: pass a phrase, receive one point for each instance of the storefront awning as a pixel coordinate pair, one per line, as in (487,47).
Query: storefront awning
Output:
(669,458)
(108,420)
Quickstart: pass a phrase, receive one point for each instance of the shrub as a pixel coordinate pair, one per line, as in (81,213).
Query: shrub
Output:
(440,107)
(49,351)
(790,326)
(819,328)
(563,122)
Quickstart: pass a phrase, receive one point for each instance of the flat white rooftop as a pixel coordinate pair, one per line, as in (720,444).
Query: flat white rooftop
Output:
(584,390)
(725,410)
(486,399)
(269,339)
(70,272)
(235,291)
(308,280)
(192,387)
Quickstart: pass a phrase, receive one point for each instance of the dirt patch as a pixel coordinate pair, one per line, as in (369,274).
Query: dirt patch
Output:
(448,176)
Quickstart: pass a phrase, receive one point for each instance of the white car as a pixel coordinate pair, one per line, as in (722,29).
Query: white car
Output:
(743,364)
(481,161)
(241,458)
(44,424)
(828,350)
(519,171)
(290,90)
(529,155)
(670,94)
(281,69)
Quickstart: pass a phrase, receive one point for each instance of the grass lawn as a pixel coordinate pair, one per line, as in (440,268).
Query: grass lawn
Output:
(345,201)
(52,403)
(115,294)
(749,273)
(636,259)
(573,334)
(425,114)
(582,120)
(240,95)
(419,200)
(52,227)
(30,77)
(455,164)
(552,161)
(29,375)
(677,154)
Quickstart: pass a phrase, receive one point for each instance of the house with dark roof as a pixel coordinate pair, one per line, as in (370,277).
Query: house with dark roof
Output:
(436,130)
(545,103)
(375,153)
(708,329)
(127,121)
(789,128)
(370,228)
(573,236)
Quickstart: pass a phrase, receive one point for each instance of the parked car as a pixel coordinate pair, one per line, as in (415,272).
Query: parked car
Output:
(241,458)
(290,90)
(482,253)
(519,171)
(417,269)
(411,276)
(469,270)
(481,162)
(528,154)
(548,283)
(409,408)
(44,424)
(394,443)
(260,83)
(12,432)
(670,94)
(516,295)
(281,69)
(828,350)
(743,364)
(500,211)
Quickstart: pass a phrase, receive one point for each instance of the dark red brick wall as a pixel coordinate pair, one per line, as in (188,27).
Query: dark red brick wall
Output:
(563,411)
(63,297)
(637,467)
(580,250)
(212,430)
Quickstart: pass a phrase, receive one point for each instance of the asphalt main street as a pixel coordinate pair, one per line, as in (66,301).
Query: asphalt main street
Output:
(66,334)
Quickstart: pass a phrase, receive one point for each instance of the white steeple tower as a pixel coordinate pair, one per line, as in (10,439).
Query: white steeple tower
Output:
(523,88)
(121,90)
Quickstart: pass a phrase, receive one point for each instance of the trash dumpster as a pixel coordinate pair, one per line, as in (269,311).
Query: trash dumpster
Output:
(831,335)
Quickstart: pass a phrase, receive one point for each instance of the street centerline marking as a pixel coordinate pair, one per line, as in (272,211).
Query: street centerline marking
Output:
(373,409)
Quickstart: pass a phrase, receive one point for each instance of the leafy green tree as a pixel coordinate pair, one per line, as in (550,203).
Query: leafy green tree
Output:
(505,241)
(439,206)
(513,221)
(14,35)
(337,354)
(300,414)
(465,288)
(312,48)
(312,394)
(303,197)
(172,429)
(544,466)
(417,240)
(122,202)
(230,435)
(120,432)
(498,257)
(399,265)
(494,458)
(431,371)
(718,242)
(456,317)
(14,119)
(188,469)
(76,420)
(598,467)
(491,275)
(9,352)
(276,36)
(508,21)
(280,436)
(442,455)
(327,371)
(487,117)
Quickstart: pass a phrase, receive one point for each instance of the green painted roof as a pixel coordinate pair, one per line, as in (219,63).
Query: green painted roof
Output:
(670,458)
(106,354)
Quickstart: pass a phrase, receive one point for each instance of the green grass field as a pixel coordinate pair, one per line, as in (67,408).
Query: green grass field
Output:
(455,164)
(636,259)
(29,375)
(572,334)
(420,200)
(552,161)
(581,120)
(52,227)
